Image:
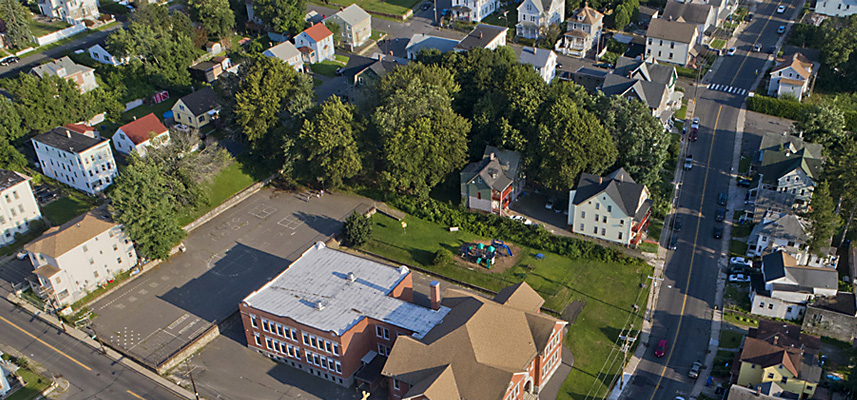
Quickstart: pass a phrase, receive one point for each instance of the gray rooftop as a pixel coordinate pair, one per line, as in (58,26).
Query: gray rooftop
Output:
(687,12)
(284,51)
(67,140)
(490,168)
(321,276)
(535,56)
(650,93)
(648,71)
(780,264)
(737,392)
(421,41)
(480,36)
(201,101)
(681,32)
(787,227)
(353,15)
(10,178)
(62,68)
(618,185)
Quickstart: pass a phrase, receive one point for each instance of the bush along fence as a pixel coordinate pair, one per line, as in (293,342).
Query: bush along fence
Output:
(494,226)
(783,108)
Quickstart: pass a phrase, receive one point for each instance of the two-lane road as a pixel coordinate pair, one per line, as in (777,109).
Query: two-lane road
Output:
(687,297)
(91,375)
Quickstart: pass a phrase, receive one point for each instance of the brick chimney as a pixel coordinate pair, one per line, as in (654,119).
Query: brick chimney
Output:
(776,339)
(434,295)
(758,390)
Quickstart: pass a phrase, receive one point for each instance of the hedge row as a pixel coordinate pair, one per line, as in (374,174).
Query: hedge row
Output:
(783,108)
(493,226)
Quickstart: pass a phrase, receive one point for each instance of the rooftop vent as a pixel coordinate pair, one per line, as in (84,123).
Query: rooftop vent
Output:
(319,305)
(352,277)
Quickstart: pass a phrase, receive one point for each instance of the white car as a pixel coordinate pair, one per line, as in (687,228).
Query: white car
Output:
(695,123)
(740,261)
(22,255)
(739,278)
(781,9)
(731,51)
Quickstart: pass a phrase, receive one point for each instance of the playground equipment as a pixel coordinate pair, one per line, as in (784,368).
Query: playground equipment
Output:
(499,244)
(478,252)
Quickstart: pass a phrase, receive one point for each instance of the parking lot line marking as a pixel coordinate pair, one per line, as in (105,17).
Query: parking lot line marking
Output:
(45,343)
(135,395)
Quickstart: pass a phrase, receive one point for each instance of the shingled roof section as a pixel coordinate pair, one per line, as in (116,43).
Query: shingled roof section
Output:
(143,129)
(618,185)
(318,32)
(59,240)
(681,32)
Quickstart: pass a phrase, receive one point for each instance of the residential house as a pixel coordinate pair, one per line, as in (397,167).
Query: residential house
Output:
(788,286)
(791,76)
(77,257)
(72,12)
(584,32)
(783,142)
(315,44)
(768,202)
(82,75)
(484,349)
(209,71)
(704,16)
(362,70)
(287,53)
(483,36)
(789,233)
(836,8)
(473,10)
(18,205)
(834,317)
(492,183)
(536,16)
(197,109)
(84,130)
(420,41)
(82,162)
(793,170)
(780,354)
(103,56)
(612,208)
(723,9)
(646,81)
(645,15)
(766,391)
(543,60)
(330,313)
(671,41)
(251,14)
(355,26)
(8,378)
(140,134)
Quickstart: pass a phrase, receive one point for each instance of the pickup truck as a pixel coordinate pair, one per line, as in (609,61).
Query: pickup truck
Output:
(688,162)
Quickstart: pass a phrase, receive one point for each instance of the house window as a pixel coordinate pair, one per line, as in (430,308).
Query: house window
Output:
(761,304)
(15,194)
(771,306)
(306,339)
(265,326)
(396,384)
(671,55)
(609,208)
(672,45)
(784,380)
(771,375)
(620,235)
(479,195)
(597,217)
(383,350)
(313,341)
(621,222)
(258,340)
(268,343)
(335,349)
(583,214)
(604,220)
(382,332)
(253,321)
(594,230)
(597,206)
(582,227)
(603,231)
(788,309)
(280,330)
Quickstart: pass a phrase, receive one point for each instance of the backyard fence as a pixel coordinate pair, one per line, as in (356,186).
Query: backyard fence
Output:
(60,35)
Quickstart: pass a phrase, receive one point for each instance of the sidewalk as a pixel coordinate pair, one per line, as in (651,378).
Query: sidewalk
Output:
(110,353)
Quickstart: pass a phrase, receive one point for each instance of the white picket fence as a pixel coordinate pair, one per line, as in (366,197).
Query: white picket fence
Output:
(60,35)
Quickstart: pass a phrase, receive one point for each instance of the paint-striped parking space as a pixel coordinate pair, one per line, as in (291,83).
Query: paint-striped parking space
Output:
(728,89)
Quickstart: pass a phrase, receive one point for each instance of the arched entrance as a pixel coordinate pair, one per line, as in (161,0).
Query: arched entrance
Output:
(528,385)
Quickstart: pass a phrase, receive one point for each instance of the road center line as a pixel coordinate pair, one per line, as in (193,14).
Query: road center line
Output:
(759,36)
(135,395)
(692,256)
(44,343)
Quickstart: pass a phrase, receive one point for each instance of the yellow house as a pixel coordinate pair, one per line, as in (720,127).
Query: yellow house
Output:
(197,109)
(774,356)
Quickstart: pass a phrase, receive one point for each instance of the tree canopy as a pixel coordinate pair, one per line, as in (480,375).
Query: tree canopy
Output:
(328,143)
(16,17)
(263,95)
(822,217)
(824,124)
(214,16)
(285,16)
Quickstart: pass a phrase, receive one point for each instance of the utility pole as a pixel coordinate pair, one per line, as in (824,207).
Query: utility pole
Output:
(626,346)
(192,383)
(97,338)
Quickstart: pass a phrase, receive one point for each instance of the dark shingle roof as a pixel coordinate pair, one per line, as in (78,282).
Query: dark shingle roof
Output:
(782,265)
(681,32)
(67,140)
(498,172)
(480,36)
(201,101)
(775,164)
(631,68)
(618,185)
(687,12)
(10,178)
(843,303)
(650,93)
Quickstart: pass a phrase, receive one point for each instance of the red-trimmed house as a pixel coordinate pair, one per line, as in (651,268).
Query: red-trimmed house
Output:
(484,349)
(495,181)
(335,315)
(140,134)
(612,208)
(315,44)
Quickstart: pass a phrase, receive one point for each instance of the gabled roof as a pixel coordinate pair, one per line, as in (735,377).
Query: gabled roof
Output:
(782,265)
(681,32)
(318,32)
(359,64)
(480,36)
(788,227)
(67,140)
(520,296)
(648,71)
(766,355)
(284,51)
(586,15)
(421,41)
(687,12)
(56,66)
(11,178)
(353,15)
(650,93)
(58,240)
(798,62)
(775,143)
(201,101)
(535,56)
(498,168)
(82,129)
(618,185)
(774,343)
(143,129)
(775,164)
(480,343)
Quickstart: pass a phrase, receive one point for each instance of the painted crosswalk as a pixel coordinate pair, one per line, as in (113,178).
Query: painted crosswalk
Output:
(727,89)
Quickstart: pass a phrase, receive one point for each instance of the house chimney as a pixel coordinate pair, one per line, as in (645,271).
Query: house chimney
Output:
(434,295)
(492,155)
(758,391)
(68,133)
(352,277)
(135,118)
(776,339)
(480,34)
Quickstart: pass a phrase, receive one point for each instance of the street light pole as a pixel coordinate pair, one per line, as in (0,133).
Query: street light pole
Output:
(192,383)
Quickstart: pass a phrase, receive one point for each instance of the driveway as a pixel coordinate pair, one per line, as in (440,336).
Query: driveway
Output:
(532,206)
(226,259)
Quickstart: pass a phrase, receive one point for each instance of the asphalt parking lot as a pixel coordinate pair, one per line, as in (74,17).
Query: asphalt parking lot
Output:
(226,259)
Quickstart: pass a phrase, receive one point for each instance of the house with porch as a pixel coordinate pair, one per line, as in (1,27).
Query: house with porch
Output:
(67,69)
(355,26)
(287,53)
(140,134)
(788,286)
(584,31)
(646,81)
(612,208)
(492,183)
(197,109)
(671,41)
(83,162)
(536,16)
(790,233)
(791,76)
(473,10)
(315,44)
(791,169)
(499,349)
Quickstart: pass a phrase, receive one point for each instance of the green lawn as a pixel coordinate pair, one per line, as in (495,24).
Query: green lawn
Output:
(114,8)
(718,43)
(64,209)
(35,385)
(377,35)
(159,110)
(737,248)
(681,114)
(508,21)
(329,67)
(609,289)
(229,181)
(738,319)
(647,247)
(394,7)
(730,339)
(43,28)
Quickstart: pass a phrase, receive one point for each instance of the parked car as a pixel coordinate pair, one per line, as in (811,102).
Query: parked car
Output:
(694,134)
(426,6)
(661,350)
(9,60)
(744,182)
(21,255)
(720,215)
(677,223)
(550,203)
(781,30)
(738,269)
(749,17)
(739,278)
(757,47)
(688,162)
(772,49)
(695,123)
(717,233)
(731,51)
(781,9)
(560,207)
(694,370)
(521,219)
(604,65)
(673,241)
(722,199)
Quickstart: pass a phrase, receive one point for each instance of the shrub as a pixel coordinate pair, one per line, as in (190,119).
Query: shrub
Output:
(443,257)
(790,109)
(357,229)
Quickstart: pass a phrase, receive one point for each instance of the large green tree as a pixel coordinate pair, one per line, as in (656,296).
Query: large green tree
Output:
(842,176)
(571,140)
(213,15)
(328,142)
(16,17)
(824,124)
(264,95)
(823,218)
(285,16)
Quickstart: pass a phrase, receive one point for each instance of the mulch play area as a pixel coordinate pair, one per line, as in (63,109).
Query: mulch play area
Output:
(492,256)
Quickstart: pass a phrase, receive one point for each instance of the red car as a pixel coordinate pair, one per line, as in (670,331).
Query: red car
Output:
(661,349)
(693,134)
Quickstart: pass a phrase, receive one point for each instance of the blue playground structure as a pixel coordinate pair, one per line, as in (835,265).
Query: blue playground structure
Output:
(484,255)
(500,245)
